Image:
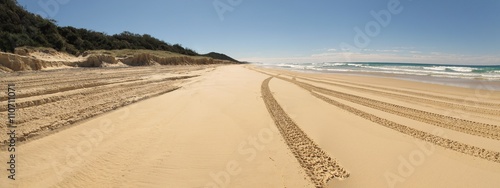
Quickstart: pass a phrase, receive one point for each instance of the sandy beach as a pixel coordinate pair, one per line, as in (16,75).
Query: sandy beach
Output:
(248,126)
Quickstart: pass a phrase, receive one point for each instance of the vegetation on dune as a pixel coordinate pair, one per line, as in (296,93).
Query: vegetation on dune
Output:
(216,55)
(123,53)
(19,27)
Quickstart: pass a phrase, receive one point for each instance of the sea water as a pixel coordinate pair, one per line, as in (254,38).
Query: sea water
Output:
(471,76)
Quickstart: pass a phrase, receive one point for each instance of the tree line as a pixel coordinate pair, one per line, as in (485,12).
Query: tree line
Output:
(19,27)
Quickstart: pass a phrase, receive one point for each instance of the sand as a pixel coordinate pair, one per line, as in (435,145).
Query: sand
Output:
(42,59)
(246,126)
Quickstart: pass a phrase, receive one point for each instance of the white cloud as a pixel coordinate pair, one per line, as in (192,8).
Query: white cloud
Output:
(394,51)
(386,56)
(404,48)
(332,50)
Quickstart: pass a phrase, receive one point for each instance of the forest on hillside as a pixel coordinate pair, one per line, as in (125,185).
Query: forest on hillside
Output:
(18,28)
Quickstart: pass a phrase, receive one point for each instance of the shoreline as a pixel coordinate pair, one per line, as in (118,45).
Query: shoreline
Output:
(470,83)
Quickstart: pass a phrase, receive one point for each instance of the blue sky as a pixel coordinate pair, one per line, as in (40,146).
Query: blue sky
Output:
(277,31)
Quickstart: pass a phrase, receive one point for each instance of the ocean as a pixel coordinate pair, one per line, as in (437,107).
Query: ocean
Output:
(457,75)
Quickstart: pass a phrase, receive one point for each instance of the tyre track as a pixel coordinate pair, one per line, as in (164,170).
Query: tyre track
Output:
(56,104)
(48,86)
(317,164)
(437,140)
(37,112)
(433,139)
(416,99)
(465,126)
(472,103)
(91,90)
(37,123)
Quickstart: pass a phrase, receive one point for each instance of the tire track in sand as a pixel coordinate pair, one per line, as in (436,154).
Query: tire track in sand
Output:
(438,97)
(318,165)
(413,99)
(437,140)
(58,104)
(461,125)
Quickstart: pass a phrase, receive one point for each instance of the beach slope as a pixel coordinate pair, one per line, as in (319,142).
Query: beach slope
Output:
(246,126)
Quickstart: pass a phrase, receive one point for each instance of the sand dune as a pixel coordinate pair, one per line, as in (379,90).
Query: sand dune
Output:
(246,126)
(27,59)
